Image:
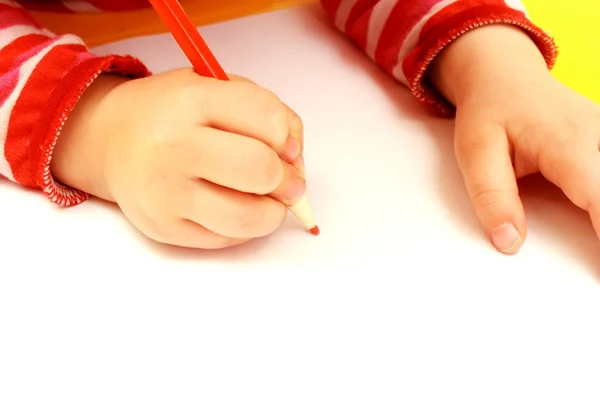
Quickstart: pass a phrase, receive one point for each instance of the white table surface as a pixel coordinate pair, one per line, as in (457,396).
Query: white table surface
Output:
(400,297)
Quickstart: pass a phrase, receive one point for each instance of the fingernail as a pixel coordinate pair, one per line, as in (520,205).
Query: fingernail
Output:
(505,237)
(291,150)
(295,191)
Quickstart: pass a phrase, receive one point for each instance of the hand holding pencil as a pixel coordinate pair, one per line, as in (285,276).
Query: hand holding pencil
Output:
(205,64)
(191,161)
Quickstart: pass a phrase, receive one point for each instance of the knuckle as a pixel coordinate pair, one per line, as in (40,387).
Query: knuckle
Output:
(161,140)
(276,115)
(186,93)
(470,145)
(296,123)
(465,148)
(295,119)
(585,190)
(558,140)
(265,168)
(190,97)
(162,151)
(487,198)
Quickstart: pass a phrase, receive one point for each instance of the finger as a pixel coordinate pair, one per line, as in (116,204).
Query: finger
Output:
(230,213)
(234,161)
(296,124)
(291,188)
(579,179)
(483,154)
(240,163)
(186,233)
(250,110)
(574,167)
(297,132)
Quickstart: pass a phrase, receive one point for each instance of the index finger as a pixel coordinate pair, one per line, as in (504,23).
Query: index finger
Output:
(296,125)
(247,109)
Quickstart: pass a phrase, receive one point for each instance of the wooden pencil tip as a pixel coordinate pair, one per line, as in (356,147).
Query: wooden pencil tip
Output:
(315,231)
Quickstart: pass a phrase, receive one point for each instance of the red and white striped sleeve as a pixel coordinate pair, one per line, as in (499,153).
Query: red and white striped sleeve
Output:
(84,6)
(42,76)
(404,36)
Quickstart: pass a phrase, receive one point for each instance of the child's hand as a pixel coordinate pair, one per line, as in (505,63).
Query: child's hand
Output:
(191,161)
(514,119)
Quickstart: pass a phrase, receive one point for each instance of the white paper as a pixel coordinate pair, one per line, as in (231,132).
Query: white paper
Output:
(400,297)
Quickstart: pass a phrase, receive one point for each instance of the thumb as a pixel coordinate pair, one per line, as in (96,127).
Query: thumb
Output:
(483,155)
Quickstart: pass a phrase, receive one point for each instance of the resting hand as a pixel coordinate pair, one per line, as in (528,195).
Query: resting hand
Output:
(514,119)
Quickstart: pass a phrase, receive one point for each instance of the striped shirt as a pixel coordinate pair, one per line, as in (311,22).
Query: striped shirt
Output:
(42,75)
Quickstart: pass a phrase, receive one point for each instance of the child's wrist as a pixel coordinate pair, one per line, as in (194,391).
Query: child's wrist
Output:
(80,154)
(485,56)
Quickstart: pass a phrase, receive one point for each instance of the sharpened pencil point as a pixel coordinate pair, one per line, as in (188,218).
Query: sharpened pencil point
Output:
(302,211)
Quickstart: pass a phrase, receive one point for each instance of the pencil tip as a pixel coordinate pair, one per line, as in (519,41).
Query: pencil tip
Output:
(315,231)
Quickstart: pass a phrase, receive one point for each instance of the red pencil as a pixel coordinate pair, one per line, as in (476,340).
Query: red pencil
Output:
(205,64)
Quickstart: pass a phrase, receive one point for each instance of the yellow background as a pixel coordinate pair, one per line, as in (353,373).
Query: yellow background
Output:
(575,24)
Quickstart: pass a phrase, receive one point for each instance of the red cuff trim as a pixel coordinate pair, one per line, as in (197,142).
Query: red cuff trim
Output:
(60,104)
(462,23)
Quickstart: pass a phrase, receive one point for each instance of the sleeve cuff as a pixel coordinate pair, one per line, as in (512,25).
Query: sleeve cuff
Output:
(56,111)
(451,27)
